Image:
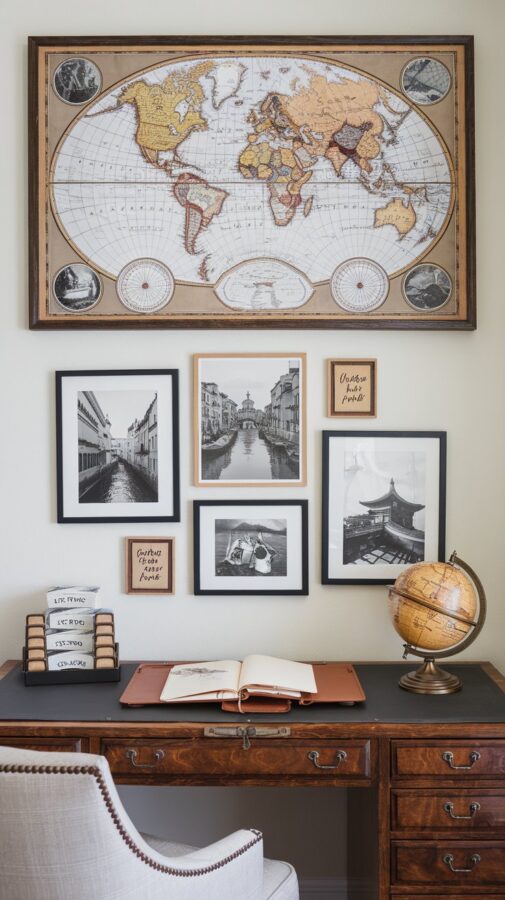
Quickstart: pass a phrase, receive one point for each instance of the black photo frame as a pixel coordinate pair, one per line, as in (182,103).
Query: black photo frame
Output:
(360,547)
(290,547)
(88,455)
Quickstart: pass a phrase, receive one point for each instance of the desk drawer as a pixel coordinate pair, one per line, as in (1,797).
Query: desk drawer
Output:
(57,745)
(448,809)
(458,863)
(266,756)
(449,759)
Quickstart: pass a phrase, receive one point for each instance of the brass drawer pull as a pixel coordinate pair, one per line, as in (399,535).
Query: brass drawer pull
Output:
(473,809)
(314,756)
(448,757)
(449,860)
(218,731)
(132,756)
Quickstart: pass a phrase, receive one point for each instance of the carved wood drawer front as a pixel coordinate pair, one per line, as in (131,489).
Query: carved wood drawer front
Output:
(458,863)
(452,809)
(57,745)
(449,759)
(347,759)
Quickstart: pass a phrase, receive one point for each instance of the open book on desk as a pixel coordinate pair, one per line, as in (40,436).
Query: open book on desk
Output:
(228,679)
(277,683)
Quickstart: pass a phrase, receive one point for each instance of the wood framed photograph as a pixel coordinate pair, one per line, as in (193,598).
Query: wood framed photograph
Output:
(252,182)
(383,503)
(118,445)
(352,388)
(250,419)
(244,547)
(150,565)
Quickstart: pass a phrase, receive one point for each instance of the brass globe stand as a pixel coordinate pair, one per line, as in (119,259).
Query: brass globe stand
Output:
(430,678)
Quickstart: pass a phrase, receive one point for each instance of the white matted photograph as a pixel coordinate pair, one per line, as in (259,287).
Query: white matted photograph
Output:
(255,547)
(383,504)
(249,420)
(117,446)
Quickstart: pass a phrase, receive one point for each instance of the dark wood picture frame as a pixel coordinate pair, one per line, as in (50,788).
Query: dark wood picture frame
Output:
(130,543)
(198,505)
(440,436)
(351,413)
(174,515)
(462,315)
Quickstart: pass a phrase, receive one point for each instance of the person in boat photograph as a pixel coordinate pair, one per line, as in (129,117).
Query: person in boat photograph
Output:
(384,507)
(253,547)
(249,413)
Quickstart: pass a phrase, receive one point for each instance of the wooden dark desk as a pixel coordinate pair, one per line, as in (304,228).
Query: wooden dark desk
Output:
(432,824)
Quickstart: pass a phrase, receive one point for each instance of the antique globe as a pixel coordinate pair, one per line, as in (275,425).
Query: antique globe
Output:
(438,609)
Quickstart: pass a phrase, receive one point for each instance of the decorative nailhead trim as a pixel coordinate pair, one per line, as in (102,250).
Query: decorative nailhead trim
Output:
(95,772)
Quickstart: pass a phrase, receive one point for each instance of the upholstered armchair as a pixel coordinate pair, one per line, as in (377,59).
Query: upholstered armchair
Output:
(65,834)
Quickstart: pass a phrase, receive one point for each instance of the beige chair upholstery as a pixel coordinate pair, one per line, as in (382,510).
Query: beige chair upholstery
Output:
(64,833)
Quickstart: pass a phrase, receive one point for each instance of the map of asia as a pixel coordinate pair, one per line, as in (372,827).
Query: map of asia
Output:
(251,186)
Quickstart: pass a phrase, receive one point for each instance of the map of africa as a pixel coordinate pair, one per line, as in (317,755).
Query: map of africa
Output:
(207,165)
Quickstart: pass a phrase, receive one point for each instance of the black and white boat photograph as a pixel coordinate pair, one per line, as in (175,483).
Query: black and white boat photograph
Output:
(250,419)
(251,547)
(118,452)
(383,503)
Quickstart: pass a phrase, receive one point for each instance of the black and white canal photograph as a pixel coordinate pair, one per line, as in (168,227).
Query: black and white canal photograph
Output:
(383,501)
(118,446)
(250,419)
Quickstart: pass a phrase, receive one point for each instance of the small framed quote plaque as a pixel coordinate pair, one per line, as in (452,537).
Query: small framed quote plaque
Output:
(150,565)
(352,388)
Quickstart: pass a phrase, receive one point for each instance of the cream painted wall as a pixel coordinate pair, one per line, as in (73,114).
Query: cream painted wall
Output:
(426,381)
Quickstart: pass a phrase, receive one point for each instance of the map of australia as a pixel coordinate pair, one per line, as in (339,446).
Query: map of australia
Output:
(208,164)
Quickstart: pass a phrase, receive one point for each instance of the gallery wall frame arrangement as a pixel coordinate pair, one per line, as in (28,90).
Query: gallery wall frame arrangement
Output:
(250,427)
(247,547)
(384,502)
(310,182)
(150,565)
(352,388)
(117,447)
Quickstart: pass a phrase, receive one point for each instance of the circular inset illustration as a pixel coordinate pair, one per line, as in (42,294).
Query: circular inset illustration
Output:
(77,288)
(77,80)
(427,287)
(260,284)
(359,285)
(145,285)
(425,80)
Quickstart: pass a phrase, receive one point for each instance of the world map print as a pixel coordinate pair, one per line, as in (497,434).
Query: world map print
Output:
(287,166)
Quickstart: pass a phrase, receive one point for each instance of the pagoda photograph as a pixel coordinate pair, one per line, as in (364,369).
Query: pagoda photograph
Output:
(384,509)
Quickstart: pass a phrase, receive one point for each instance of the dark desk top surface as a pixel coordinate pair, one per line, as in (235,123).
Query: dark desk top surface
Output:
(480,700)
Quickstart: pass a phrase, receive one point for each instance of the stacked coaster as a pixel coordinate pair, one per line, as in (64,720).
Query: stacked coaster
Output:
(71,634)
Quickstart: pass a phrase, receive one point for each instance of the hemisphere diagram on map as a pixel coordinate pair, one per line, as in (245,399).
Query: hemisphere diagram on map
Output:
(207,165)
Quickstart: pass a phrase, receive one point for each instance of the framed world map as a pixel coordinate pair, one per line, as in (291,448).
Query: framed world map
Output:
(252,182)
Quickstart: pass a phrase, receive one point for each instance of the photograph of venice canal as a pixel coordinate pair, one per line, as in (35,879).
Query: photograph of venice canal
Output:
(250,419)
(117,446)
(251,547)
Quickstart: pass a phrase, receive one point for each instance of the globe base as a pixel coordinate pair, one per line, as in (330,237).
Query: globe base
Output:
(430,679)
